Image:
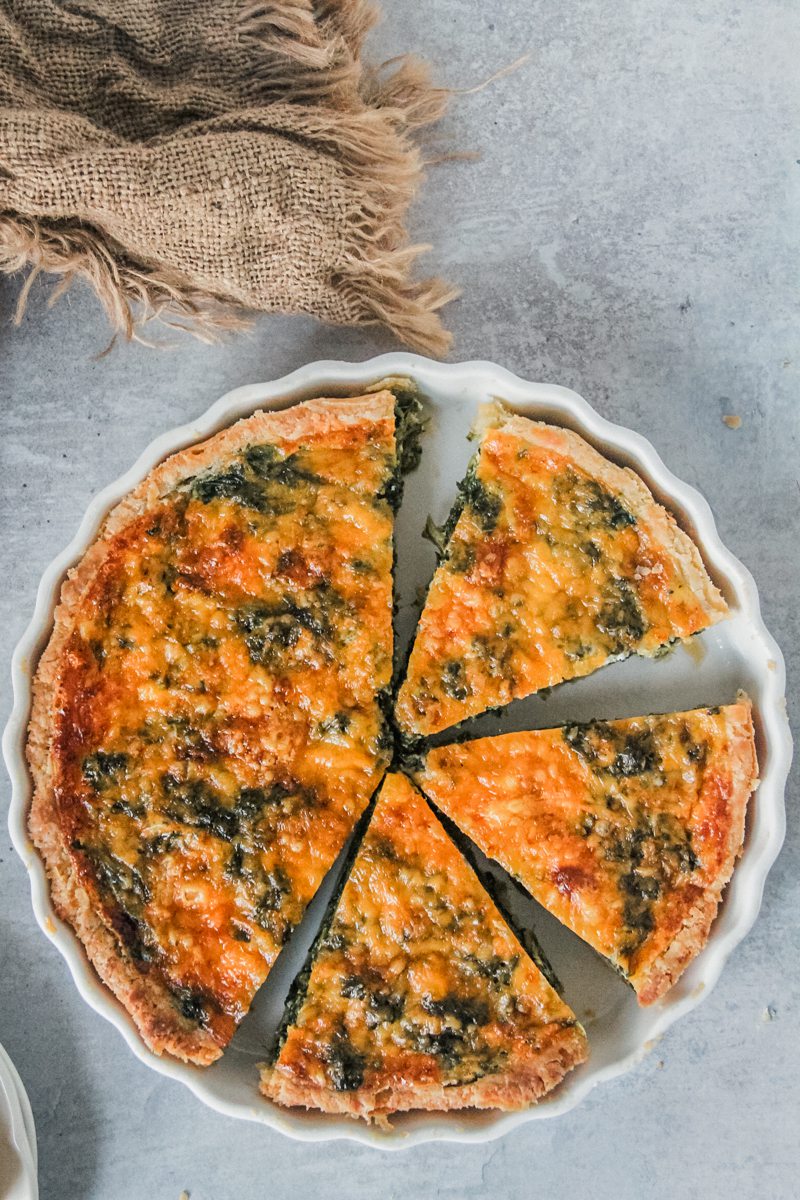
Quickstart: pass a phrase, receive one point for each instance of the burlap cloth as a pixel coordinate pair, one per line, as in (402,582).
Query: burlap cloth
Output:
(192,157)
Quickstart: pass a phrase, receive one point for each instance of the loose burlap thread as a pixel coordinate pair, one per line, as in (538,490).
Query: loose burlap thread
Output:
(193,159)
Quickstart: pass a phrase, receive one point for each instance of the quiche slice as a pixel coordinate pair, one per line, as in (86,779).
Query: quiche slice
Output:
(554,562)
(207,723)
(417,995)
(626,831)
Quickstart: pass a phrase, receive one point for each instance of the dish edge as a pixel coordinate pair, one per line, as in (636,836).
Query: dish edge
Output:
(767,831)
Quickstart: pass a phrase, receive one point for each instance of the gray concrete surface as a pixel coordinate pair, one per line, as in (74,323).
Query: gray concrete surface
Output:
(631,230)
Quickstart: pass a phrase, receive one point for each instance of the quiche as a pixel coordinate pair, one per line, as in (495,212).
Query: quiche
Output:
(626,831)
(417,995)
(208,720)
(554,562)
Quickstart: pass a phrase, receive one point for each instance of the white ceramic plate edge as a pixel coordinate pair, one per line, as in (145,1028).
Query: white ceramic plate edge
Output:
(23,1131)
(743,898)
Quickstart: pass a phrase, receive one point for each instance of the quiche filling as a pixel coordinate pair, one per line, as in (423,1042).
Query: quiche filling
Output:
(221,724)
(417,986)
(215,715)
(627,831)
(553,562)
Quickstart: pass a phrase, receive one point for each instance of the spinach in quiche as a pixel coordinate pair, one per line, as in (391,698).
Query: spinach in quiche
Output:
(415,984)
(625,830)
(224,688)
(553,561)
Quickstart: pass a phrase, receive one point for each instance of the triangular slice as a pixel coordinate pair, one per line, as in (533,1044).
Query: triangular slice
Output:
(208,719)
(417,994)
(554,562)
(627,831)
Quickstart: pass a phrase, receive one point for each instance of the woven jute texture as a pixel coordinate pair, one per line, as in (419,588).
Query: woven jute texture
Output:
(196,158)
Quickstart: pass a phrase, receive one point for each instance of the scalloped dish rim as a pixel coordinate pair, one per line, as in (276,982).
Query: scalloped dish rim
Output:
(767,823)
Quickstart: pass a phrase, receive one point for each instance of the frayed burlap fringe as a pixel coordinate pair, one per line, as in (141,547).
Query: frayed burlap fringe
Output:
(131,295)
(195,159)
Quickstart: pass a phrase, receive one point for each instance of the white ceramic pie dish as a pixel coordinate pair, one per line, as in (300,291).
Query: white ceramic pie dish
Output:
(737,653)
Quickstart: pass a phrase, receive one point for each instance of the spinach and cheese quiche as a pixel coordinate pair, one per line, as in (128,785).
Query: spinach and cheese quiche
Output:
(626,831)
(417,995)
(208,721)
(554,561)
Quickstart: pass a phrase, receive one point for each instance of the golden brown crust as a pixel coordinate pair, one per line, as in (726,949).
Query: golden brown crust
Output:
(146,999)
(625,483)
(586,832)
(558,562)
(419,995)
(665,970)
(518,1087)
(311,419)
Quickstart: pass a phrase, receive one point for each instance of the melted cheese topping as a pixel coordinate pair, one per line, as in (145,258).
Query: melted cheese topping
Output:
(548,575)
(417,980)
(616,827)
(220,729)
